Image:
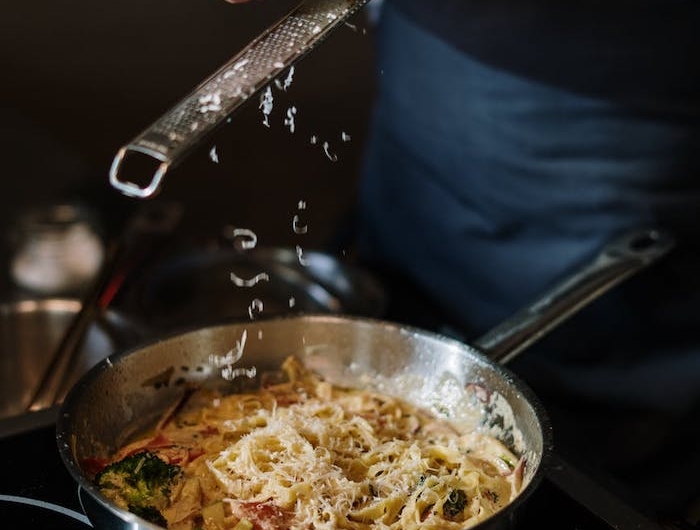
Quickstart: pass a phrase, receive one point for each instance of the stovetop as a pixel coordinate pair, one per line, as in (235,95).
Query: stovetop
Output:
(35,487)
(37,491)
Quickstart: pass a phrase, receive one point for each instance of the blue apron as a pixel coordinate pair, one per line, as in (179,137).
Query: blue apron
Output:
(507,147)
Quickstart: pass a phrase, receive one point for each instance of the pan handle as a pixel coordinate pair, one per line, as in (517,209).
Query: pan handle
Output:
(617,261)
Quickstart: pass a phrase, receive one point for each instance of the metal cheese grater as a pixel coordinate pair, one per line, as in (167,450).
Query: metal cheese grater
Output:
(173,135)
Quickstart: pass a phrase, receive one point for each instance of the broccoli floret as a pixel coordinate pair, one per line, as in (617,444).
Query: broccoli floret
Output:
(454,504)
(141,483)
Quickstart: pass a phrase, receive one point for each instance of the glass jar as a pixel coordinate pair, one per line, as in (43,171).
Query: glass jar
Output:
(56,250)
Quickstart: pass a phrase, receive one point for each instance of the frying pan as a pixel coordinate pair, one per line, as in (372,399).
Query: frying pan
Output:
(127,392)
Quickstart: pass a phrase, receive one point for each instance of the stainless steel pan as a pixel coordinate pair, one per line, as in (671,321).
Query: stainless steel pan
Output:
(128,392)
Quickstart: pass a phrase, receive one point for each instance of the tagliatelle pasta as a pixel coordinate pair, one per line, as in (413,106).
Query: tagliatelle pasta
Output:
(305,454)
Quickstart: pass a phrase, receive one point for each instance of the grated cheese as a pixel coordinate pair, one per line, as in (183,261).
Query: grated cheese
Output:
(213,155)
(297,227)
(241,282)
(266,104)
(305,454)
(326,149)
(288,80)
(289,120)
(255,308)
(244,236)
(300,256)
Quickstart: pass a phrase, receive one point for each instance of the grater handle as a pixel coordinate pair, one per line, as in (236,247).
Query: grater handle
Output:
(170,138)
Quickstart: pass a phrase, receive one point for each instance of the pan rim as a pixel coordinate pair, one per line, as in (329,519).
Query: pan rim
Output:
(64,422)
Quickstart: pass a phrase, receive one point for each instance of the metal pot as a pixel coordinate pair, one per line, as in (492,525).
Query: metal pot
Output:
(194,287)
(30,331)
(128,392)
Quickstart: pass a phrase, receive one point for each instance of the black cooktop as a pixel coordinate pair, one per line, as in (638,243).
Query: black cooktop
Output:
(36,491)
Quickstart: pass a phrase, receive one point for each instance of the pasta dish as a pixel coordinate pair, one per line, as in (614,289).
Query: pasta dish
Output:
(306,454)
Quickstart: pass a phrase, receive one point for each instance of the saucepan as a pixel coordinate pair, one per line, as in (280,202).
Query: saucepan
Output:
(128,392)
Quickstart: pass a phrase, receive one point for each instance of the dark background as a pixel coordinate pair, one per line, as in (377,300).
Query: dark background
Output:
(80,79)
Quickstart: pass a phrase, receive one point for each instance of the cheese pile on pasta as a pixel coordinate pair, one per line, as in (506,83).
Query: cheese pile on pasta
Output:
(305,454)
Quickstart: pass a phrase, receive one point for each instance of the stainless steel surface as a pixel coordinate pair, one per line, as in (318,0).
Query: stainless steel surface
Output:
(618,260)
(194,287)
(121,256)
(127,393)
(30,330)
(54,374)
(28,421)
(183,127)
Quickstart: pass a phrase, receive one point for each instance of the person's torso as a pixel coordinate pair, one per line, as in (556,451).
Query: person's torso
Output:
(648,46)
